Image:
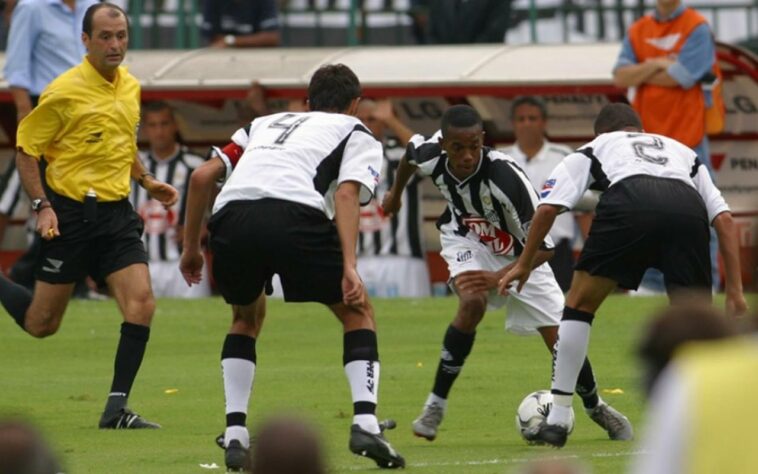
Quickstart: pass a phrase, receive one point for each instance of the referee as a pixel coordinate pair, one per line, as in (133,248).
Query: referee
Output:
(85,125)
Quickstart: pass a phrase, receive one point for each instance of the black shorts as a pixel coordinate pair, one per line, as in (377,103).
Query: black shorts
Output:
(644,222)
(97,248)
(252,240)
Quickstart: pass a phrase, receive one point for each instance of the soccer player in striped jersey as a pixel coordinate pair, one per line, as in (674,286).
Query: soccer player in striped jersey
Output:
(170,162)
(391,258)
(656,209)
(490,206)
(290,205)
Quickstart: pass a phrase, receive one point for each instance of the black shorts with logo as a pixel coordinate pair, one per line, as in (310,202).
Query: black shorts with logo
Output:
(252,240)
(644,221)
(110,242)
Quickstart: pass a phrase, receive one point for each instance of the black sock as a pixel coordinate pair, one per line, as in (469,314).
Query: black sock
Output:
(131,349)
(16,299)
(455,348)
(586,387)
(360,347)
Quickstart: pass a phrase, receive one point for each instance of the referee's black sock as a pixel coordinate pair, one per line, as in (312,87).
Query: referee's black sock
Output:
(586,386)
(131,349)
(455,348)
(16,299)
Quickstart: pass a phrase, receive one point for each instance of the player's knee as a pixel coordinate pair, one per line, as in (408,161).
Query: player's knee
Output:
(473,306)
(42,329)
(141,308)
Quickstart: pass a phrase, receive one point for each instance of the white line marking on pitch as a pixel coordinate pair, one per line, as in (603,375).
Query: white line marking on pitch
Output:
(508,461)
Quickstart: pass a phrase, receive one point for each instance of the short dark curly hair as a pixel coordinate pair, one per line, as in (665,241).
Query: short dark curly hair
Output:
(332,88)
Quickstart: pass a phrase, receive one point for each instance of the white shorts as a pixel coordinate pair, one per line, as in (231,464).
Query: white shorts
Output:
(540,303)
(390,276)
(168,281)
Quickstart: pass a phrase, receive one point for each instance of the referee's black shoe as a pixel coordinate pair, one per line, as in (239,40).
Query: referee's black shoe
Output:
(376,447)
(236,457)
(125,419)
(554,435)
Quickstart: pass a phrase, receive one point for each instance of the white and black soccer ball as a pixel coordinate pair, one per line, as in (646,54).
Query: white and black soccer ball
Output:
(534,409)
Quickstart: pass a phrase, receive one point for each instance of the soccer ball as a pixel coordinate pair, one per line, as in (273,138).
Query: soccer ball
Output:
(534,409)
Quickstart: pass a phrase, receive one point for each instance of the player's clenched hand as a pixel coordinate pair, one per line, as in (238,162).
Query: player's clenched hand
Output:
(162,192)
(47,224)
(476,281)
(390,204)
(353,293)
(518,272)
(191,266)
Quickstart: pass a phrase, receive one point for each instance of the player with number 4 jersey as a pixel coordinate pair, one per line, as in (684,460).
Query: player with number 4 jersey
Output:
(657,205)
(291,206)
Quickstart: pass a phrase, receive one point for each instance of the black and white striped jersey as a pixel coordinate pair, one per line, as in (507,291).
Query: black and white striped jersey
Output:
(13,200)
(496,203)
(160,236)
(401,234)
(300,157)
(612,157)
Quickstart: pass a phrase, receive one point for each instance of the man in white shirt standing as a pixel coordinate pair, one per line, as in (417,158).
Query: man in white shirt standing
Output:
(538,157)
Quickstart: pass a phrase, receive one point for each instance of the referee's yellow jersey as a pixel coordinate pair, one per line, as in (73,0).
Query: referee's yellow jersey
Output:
(86,127)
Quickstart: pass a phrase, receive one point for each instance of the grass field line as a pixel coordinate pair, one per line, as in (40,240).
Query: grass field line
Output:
(511,461)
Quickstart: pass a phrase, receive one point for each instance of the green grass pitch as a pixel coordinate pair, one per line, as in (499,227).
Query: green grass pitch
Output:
(60,384)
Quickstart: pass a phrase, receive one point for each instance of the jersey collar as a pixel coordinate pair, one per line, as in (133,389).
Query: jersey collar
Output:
(93,76)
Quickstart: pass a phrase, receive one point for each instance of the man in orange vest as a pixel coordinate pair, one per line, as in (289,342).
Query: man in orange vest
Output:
(669,57)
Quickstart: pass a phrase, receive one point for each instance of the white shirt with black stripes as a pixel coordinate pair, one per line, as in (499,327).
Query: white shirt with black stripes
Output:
(496,202)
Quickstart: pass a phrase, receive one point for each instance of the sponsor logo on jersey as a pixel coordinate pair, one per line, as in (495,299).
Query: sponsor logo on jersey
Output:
(157,218)
(94,137)
(498,241)
(464,256)
(547,187)
(374,173)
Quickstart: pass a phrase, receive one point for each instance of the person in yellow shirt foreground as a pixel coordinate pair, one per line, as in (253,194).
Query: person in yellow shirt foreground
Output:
(86,127)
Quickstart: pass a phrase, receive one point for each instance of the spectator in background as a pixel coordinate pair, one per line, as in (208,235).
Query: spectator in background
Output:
(171,163)
(43,42)
(669,57)
(538,157)
(287,445)
(391,258)
(702,384)
(462,21)
(23,450)
(241,23)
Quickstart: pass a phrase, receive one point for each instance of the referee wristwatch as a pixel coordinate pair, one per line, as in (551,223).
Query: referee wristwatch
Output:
(40,203)
(230,40)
